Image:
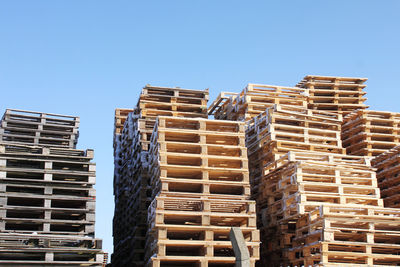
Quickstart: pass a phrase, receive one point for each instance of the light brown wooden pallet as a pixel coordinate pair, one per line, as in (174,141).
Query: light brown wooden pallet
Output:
(206,238)
(202,204)
(341,81)
(283,114)
(173,105)
(193,248)
(201,188)
(195,261)
(219,106)
(370,149)
(356,162)
(201,212)
(254,99)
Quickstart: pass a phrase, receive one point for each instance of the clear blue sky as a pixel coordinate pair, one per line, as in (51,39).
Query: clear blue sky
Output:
(88,57)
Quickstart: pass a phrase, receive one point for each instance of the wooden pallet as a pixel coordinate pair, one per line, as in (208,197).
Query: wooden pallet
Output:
(154,101)
(46,166)
(219,107)
(51,257)
(195,261)
(254,99)
(189,94)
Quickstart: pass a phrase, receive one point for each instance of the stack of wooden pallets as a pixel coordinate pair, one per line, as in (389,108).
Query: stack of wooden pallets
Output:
(334,94)
(182,181)
(281,129)
(388,174)
(370,133)
(298,183)
(40,129)
(132,189)
(131,200)
(200,184)
(254,99)
(342,235)
(317,206)
(119,120)
(47,199)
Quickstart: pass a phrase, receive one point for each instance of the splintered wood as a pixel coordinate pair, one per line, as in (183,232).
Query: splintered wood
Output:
(47,199)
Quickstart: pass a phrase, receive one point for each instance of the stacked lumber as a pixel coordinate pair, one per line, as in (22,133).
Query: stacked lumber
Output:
(40,129)
(254,99)
(370,133)
(388,174)
(334,94)
(200,185)
(281,129)
(47,199)
(132,191)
